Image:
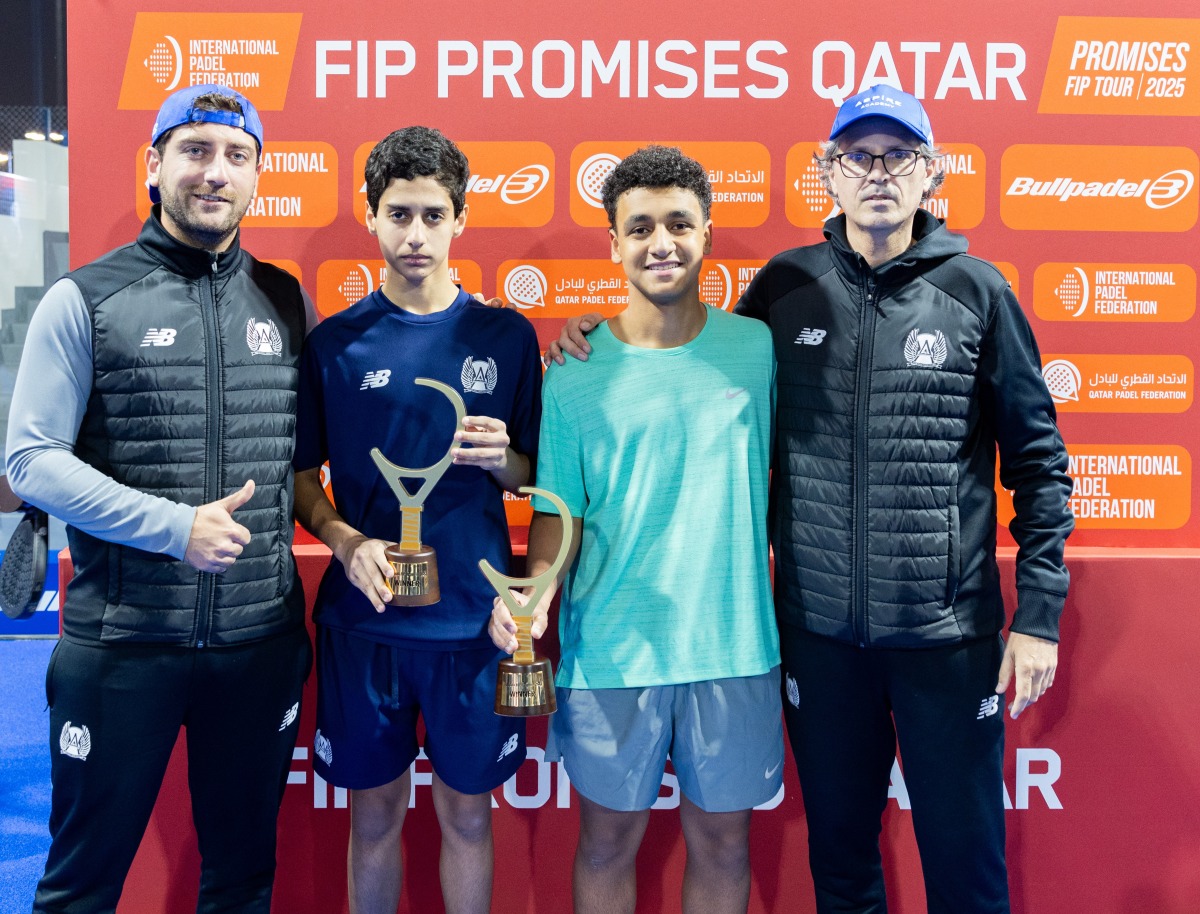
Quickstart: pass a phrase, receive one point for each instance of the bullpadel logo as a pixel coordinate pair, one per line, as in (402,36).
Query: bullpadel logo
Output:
(1099,188)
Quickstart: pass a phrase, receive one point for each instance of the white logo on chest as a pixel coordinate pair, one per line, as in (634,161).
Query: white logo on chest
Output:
(159,336)
(927,350)
(479,376)
(263,338)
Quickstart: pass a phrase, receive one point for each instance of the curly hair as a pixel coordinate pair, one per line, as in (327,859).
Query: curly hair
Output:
(417,152)
(656,166)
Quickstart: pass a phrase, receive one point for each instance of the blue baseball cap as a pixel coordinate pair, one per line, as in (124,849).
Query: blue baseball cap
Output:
(887,101)
(179,109)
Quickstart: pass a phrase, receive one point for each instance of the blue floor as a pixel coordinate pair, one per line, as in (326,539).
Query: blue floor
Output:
(24,770)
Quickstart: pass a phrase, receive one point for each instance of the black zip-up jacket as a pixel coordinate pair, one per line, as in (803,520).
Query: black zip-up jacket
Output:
(195,371)
(897,388)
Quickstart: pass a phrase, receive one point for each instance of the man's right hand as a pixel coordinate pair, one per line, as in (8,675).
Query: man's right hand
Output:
(367,567)
(573,339)
(217,539)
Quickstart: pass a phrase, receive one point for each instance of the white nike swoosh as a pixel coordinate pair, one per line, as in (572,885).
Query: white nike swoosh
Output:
(770,772)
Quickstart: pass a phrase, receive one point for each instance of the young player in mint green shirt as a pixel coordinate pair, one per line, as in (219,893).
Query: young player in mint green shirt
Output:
(660,446)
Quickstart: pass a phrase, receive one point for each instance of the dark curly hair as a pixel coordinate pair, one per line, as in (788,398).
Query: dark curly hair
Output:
(417,152)
(656,166)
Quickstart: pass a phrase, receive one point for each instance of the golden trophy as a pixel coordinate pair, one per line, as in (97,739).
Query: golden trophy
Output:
(414,580)
(525,682)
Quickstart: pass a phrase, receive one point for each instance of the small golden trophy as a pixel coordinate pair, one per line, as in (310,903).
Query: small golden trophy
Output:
(414,580)
(525,682)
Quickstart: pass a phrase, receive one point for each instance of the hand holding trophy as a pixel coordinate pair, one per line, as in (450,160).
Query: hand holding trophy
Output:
(414,580)
(525,682)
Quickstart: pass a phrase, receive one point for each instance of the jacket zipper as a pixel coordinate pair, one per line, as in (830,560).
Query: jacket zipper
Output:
(213,420)
(858,568)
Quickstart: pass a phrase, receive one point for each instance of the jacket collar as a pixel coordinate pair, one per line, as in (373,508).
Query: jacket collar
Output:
(931,243)
(182,258)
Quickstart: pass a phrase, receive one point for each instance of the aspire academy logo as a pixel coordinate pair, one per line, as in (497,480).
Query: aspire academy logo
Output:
(1099,188)
(511,184)
(249,52)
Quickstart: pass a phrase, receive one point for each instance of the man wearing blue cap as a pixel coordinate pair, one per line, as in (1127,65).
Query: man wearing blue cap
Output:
(156,400)
(904,365)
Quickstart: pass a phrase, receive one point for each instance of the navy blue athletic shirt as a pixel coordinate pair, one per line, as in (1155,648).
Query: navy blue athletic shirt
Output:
(357,392)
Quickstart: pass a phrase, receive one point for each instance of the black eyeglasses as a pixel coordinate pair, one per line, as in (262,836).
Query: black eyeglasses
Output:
(896,162)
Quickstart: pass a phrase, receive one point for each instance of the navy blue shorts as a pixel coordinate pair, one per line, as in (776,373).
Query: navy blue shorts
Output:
(370,694)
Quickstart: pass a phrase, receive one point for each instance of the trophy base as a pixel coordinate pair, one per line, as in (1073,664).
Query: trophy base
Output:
(525,689)
(414,579)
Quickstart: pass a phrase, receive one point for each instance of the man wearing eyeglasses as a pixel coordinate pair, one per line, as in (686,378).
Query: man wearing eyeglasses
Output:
(904,366)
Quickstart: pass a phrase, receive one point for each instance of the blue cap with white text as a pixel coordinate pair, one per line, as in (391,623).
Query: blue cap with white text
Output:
(884,101)
(179,109)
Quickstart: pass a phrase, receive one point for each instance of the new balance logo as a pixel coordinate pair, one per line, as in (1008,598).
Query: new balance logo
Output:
(289,716)
(810,337)
(376,378)
(509,747)
(988,707)
(156,336)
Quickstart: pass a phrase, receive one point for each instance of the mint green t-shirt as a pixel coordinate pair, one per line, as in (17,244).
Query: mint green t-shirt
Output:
(664,454)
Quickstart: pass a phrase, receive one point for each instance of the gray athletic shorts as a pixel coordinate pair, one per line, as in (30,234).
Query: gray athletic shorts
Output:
(724,737)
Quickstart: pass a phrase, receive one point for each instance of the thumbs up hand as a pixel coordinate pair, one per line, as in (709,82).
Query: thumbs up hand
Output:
(217,539)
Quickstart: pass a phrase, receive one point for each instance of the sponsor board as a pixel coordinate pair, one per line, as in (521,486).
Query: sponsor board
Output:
(511,184)
(1119,383)
(341,283)
(562,288)
(1114,292)
(959,202)
(1122,65)
(1124,487)
(297,187)
(558,289)
(249,52)
(1099,188)
(806,203)
(740,174)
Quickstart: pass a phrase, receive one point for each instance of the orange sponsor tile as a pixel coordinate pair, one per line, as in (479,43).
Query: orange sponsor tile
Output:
(1115,292)
(1099,188)
(250,52)
(1084,383)
(740,173)
(296,189)
(1124,487)
(562,288)
(1123,65)
(341,283)
(960,200)
(553,290)
(805,200)
(511,184)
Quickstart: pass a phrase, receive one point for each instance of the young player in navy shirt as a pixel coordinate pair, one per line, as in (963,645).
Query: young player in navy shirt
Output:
(382,666)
